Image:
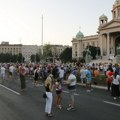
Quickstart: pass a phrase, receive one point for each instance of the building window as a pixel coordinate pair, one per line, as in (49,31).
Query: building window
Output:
(114,14)
(2,50)
(76,46)
(88,44)
(76,53)
(5,50)
(83,45)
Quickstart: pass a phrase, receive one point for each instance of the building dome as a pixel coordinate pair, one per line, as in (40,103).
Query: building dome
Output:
(79,35)
(103,17)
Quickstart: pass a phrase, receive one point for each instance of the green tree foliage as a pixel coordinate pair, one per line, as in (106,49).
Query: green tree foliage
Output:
(35,58)
(66,55)
(8,57)
(47,51)
(32,58)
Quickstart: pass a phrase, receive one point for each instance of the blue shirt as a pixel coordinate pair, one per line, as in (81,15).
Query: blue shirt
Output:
(88,74)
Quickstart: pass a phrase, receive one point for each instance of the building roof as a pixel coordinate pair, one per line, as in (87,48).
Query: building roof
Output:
(79,35)
(117,2)
(103,17)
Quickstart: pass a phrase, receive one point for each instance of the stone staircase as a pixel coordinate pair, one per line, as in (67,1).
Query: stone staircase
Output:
(107,59)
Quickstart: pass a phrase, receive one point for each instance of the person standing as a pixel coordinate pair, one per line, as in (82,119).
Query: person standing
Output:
(115,86)
(109,78)
(22,78)
(96,76)
(58,88)
(49,89)
(83,75)
(36,76)
(61,74)
(88,79)
(3,72)
(105,69)
(71,85)
(11,71)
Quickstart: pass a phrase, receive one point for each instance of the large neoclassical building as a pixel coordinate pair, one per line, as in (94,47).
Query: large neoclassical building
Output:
(107,37)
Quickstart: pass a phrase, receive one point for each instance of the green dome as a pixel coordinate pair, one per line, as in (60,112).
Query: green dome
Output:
(79,35)
(103,17)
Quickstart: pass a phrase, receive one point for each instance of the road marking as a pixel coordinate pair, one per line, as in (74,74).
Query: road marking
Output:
(10,89)
(112,103)
(68,92)
(76,94)
(65,91)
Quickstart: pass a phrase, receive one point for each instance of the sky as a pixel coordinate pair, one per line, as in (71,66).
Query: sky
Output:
(21,20)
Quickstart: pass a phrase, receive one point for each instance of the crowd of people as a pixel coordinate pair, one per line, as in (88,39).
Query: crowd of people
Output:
(54,76)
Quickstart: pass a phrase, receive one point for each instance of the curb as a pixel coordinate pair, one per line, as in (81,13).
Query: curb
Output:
(95,86)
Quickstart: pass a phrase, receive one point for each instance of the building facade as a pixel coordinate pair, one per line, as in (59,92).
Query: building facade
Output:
(57,49)
(15,49)
(28,50)
(107,37)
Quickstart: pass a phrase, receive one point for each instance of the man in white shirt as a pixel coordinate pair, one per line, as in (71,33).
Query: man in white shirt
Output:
(3,72)
(61,74)
(11,70)
(71,82)
(83,75)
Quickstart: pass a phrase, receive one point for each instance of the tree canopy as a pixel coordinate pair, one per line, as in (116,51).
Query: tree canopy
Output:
(66,55)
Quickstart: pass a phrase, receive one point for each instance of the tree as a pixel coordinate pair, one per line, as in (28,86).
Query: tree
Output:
(32,58)
(47,51)
(8,57)
(66,55)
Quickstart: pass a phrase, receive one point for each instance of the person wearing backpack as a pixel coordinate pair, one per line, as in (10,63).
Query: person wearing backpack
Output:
(36,76)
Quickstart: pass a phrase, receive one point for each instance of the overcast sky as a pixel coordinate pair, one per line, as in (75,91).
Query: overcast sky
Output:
(21,20)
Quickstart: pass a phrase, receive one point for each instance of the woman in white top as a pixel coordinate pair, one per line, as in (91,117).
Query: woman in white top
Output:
(115,86)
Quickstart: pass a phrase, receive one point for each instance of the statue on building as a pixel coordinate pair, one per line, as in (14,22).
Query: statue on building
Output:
(88,56)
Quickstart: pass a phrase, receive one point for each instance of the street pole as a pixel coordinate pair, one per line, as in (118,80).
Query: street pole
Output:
(42,35)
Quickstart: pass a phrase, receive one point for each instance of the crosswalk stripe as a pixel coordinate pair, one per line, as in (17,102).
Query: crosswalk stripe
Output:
(112,103)
(10,89)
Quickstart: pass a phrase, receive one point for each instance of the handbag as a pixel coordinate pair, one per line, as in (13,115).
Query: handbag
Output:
(44,95)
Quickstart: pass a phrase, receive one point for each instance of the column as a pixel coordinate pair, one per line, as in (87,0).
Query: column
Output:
(78,51)
(108,44)
(101,46)
(81,46)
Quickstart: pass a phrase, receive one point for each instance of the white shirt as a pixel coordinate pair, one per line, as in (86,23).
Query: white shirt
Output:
(11,69)
(2,70)
(82,73)
(116,80)
(61,73)
(72,79)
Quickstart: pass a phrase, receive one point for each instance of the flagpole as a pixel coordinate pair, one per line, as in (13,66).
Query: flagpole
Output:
(42,36)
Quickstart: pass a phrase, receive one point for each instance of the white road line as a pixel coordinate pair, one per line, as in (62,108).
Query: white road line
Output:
(10,89)
(76,94)
(68,92)
(112,103)
(65,91)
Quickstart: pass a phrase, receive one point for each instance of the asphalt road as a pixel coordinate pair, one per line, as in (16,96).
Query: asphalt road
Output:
(29,105)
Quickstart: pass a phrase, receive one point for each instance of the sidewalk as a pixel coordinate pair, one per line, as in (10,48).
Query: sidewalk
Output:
(95,86)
